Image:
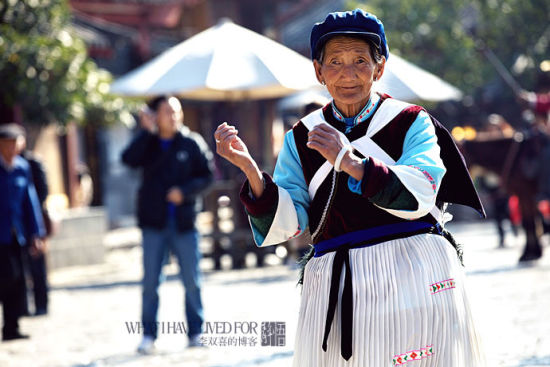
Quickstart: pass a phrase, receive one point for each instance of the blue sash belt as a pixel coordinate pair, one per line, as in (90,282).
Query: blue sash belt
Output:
(341,245)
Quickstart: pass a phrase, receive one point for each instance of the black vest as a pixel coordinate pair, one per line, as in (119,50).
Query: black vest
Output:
(350,212)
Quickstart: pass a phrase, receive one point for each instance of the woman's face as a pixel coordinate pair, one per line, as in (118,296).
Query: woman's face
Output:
(348,70)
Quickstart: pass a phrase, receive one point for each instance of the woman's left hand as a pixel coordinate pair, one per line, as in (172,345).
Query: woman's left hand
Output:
(326,140)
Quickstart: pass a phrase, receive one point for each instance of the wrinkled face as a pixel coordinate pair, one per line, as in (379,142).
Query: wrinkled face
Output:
(348,70)
(169,115)
(9,149)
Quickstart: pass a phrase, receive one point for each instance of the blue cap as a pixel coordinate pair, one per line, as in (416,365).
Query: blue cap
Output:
(356,23)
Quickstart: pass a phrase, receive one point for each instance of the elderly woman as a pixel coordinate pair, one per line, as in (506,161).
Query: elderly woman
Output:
(365,174)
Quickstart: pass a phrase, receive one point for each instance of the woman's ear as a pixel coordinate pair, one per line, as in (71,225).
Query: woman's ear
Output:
(317,65)
(380,69)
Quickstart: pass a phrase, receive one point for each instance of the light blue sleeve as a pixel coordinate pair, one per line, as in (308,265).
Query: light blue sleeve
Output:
(288,174)
(355,185)
(420,150)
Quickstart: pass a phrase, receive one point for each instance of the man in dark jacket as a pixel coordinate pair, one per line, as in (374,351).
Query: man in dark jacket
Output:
(176,166)
(37,269)
(20,224)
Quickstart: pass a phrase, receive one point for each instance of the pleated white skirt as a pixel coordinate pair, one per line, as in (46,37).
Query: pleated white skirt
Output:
(409,305)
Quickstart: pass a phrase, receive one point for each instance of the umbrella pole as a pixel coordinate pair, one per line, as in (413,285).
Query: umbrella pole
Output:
(470,23)
(268,115)
(500,68)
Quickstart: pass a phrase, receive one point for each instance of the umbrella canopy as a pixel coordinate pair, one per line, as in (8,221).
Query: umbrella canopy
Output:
(407,82)
(225,62)
(299,100)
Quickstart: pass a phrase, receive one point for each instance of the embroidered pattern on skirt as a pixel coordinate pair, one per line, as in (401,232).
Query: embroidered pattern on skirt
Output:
(442,286)
(413,355)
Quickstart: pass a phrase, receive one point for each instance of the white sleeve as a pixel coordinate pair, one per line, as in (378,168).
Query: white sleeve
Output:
(420,168)
(291,217)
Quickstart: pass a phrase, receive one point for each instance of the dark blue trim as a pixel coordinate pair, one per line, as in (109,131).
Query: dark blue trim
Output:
(372,236)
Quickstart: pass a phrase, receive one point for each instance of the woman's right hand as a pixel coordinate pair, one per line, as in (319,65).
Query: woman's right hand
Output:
(232,148)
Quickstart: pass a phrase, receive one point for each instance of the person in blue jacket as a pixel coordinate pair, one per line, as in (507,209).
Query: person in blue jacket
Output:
(176,168)
(36,265)
(20,221)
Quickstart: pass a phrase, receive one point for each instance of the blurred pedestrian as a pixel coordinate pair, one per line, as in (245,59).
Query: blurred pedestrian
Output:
(20,224)
(85,187)
(36,265)
(176,167)
(498,199)
(498,127)
(539,102)
(385,284)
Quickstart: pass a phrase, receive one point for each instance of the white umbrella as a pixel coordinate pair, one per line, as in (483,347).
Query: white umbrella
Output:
(225,62)
(405,81)
(299,100)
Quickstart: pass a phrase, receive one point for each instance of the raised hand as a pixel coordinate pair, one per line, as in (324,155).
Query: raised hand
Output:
(147,120)
(232,148)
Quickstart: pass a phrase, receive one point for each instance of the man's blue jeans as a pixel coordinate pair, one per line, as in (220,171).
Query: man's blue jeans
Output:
(156,244)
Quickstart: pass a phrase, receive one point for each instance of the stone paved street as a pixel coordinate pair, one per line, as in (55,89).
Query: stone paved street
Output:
(92,306)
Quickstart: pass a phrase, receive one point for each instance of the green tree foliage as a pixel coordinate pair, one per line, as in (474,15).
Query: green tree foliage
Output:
(44,67)
(432,35)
